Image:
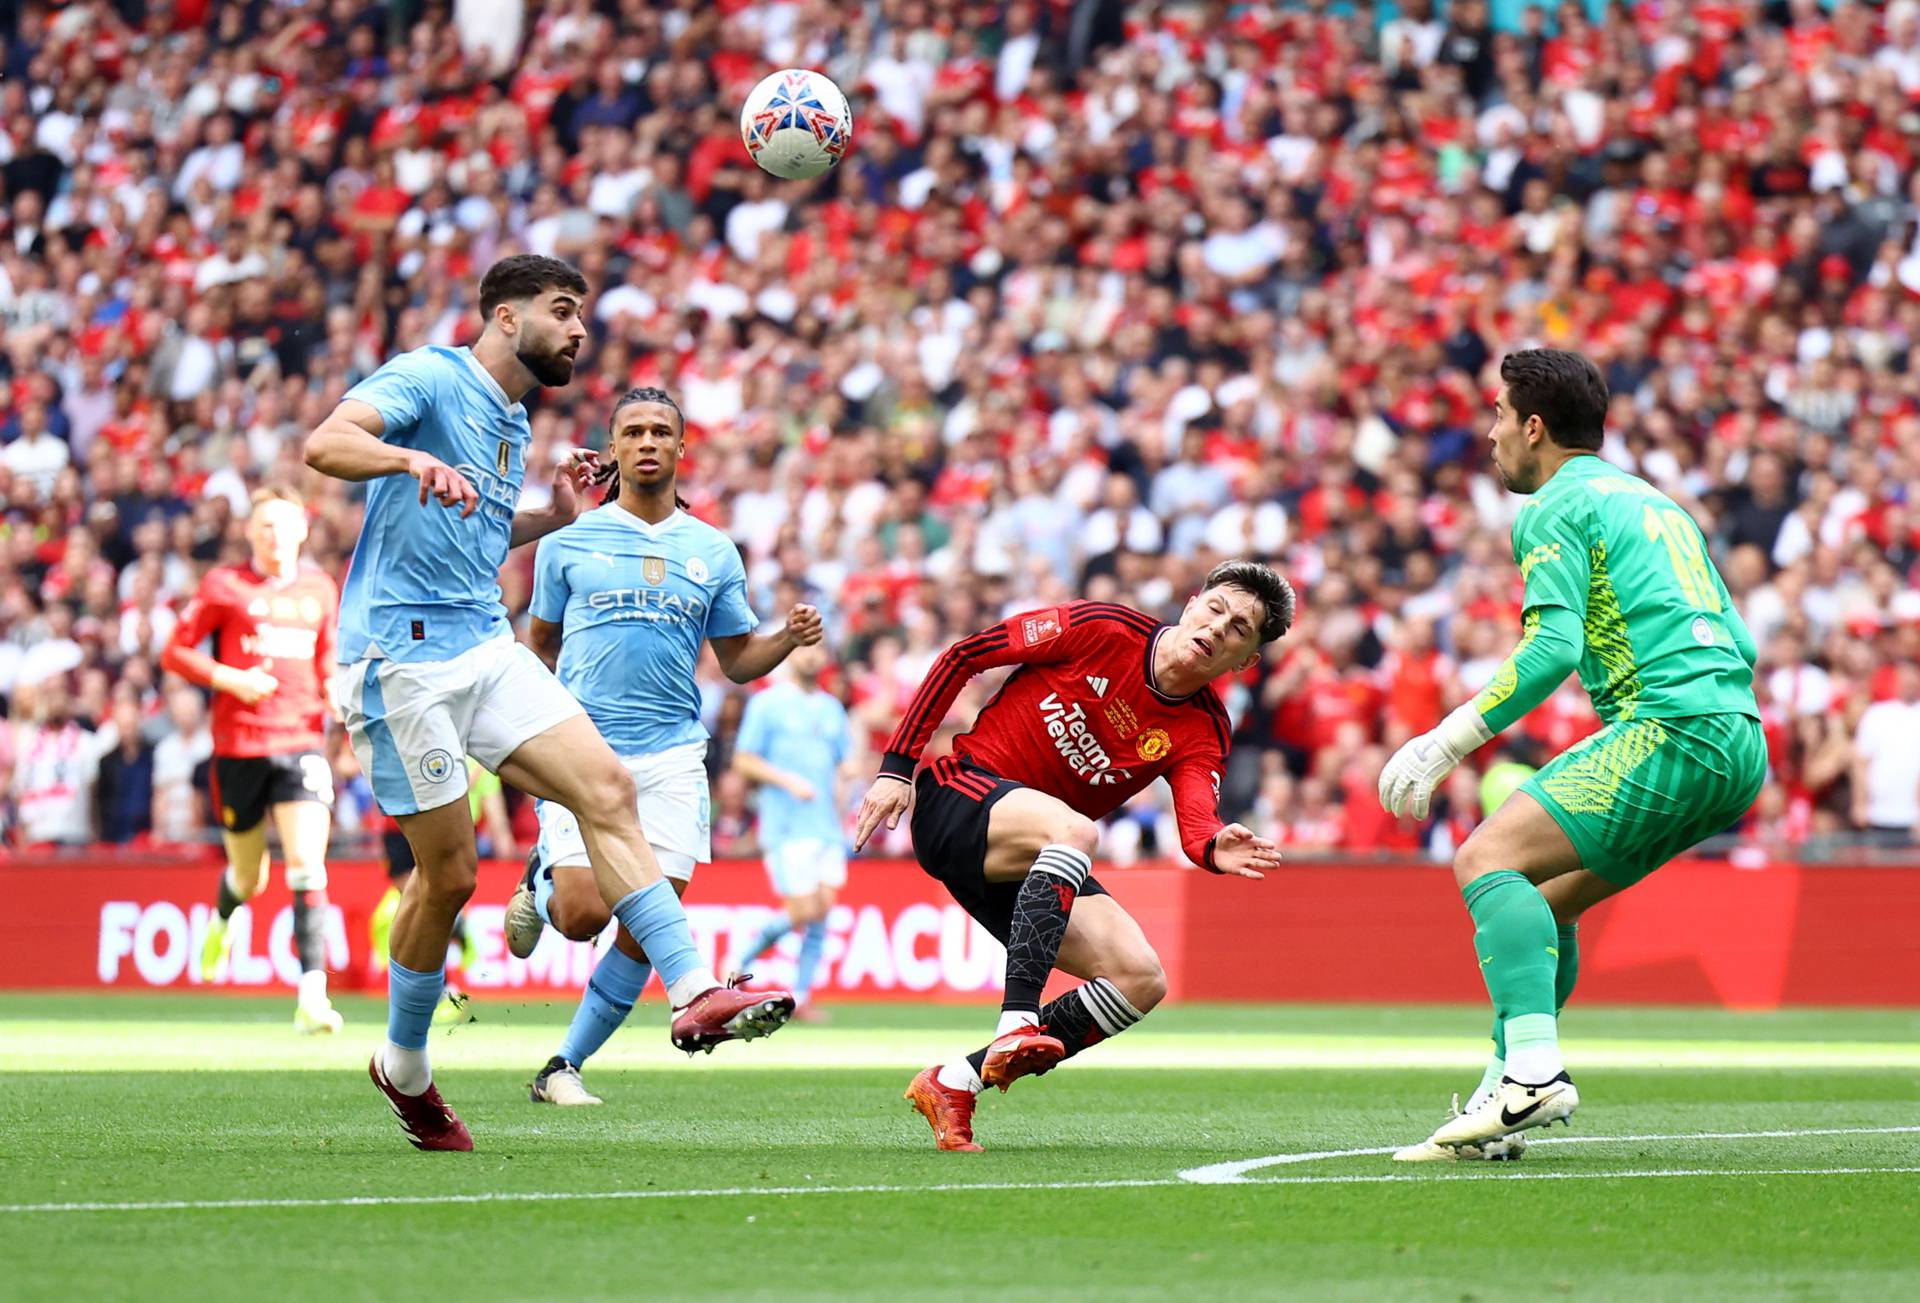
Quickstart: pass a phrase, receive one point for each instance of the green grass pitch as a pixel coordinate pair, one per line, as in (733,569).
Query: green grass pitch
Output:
(173,1147)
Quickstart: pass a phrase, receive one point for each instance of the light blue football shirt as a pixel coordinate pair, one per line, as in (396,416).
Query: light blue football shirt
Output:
(807,735)
(635,602)
(424,584)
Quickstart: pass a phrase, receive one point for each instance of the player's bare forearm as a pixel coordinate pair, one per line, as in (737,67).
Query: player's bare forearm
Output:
(545,637)
(759,655)
(757,771)
(347,446)
(531,525)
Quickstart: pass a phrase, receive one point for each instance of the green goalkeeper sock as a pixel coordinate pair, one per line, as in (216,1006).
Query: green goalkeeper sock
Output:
(1514,937)
(1565,973)
(1567,969)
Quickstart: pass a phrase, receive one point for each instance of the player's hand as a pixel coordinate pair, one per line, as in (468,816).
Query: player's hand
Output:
(573,481)
(1407,782)
(804,626)
(885,801)
(799,789)
(1240,852)
(444,484)
(250,686)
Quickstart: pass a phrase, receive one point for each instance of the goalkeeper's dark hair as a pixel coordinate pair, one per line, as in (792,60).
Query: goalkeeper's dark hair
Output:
(643,394)
(1263,582)
(525,276)
(1565,390)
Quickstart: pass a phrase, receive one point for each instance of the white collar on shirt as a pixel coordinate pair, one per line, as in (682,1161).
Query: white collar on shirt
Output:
(634,522)
(486,378)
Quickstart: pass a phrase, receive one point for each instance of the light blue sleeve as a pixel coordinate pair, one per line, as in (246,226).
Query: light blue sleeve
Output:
(754,727)
(842,735)
(550,590)
(731,613)
(402,391)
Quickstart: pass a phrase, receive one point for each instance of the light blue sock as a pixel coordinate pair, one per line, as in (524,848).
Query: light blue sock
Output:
(777,926)
(616,983)
(813,946)
(411,1000)
(653,917)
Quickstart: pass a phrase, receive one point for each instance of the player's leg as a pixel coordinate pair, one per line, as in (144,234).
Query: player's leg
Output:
(1124,981)
(406,722)
(304,827)
(1045,846)
(812,911)
(241,795)
(611,992)
(399,855)
(794,870)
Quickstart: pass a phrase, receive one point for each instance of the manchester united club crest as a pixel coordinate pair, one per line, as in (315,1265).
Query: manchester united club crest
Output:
(1153,744)
(653,569)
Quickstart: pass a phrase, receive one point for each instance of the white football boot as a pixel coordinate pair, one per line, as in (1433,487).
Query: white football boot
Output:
(317,1019)
(1505,1149)
(1512,1106)
(559,1083)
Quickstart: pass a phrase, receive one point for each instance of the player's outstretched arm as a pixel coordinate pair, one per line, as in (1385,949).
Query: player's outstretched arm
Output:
(884,802)
(573,481)
(1548,651)
(757,771)
(347,445)
(745,657)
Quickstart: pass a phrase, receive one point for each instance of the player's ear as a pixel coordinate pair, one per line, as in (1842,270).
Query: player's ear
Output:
(1246,664)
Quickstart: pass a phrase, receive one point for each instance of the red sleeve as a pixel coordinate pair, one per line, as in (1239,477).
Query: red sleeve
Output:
(327,639)
(205,613)
(1196,802)
(1034,638)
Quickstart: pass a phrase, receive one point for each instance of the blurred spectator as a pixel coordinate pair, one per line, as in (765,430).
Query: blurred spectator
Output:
(1886,780)
(125,791)
(1105,293)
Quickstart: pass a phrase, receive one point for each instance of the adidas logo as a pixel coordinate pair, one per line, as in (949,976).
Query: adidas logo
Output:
(1099,686)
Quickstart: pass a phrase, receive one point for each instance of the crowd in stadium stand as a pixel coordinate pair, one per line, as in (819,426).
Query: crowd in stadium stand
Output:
(1105,293)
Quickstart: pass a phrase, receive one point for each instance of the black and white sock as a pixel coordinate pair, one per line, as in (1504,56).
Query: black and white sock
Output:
(1040,923)
(1080,1020)
(229,899)
(310,943)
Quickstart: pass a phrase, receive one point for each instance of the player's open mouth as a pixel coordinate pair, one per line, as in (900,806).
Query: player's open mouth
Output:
(1206,648)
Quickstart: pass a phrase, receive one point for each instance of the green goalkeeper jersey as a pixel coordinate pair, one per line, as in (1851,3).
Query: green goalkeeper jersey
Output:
(1662,637)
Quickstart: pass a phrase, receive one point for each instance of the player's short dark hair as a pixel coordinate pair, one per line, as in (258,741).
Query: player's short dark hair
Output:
(1565,390)
(646,394)
(1265,583)
(525,276)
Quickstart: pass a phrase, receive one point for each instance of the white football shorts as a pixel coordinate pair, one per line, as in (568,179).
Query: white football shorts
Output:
(797,868)
(674,805)
(413,724)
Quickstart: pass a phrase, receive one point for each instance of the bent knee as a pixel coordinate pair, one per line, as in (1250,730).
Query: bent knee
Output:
(1139,976)
(448,881)
(575,909)
(1075,830)
(608,797)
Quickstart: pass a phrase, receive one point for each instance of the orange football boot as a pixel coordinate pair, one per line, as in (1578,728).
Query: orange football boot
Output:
(1022,1052)
(948,1111)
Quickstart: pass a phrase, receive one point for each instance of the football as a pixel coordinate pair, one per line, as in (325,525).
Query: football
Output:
(796,124)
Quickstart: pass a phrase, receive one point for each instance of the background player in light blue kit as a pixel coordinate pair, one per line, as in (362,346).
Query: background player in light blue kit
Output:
(622,602)
(431,672)
(796,744)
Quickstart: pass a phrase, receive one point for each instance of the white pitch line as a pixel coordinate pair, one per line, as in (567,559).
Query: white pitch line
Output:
(1234,1173)
(1184,1179)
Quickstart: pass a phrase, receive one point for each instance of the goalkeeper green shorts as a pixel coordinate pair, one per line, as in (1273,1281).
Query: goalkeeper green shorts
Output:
(1640,792)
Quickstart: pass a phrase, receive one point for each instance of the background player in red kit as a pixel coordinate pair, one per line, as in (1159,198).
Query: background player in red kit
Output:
(1106,700)
(273,629)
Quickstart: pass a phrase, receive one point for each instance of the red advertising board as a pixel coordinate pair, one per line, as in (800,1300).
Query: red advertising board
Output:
(1702,932)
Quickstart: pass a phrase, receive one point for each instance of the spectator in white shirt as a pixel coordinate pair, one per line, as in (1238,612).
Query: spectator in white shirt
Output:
(1886,764)
(36,457)
(55,764)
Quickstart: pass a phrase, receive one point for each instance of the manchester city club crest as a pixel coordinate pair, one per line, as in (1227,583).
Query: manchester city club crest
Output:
(653,569)
(697,570)
(436,766)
